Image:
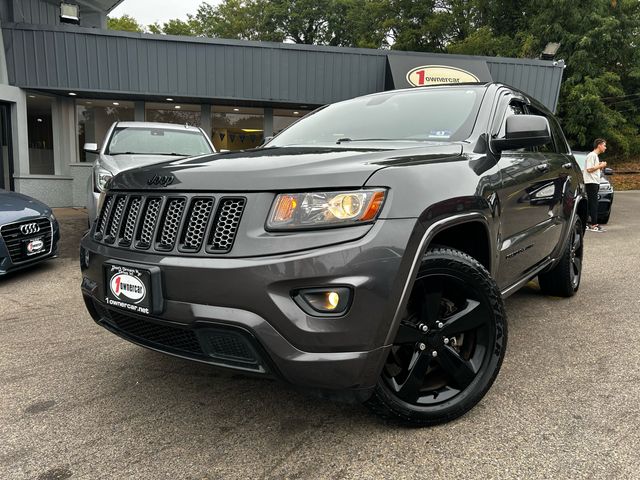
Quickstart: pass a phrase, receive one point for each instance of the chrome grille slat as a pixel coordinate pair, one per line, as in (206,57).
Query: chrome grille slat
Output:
(130,223)
(171,223)
(114,222)
(167,223)
(226,225)
(150,215)
(104,215)
(196,227)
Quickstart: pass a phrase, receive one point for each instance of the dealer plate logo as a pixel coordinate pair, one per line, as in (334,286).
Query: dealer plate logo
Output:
(129,287)
(35,246)
(29,228)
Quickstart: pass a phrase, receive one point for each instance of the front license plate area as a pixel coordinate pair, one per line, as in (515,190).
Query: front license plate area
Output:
(133,288)
(33,246)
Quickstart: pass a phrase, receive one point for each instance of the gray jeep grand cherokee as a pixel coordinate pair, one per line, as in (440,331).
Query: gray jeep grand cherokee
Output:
(366,249)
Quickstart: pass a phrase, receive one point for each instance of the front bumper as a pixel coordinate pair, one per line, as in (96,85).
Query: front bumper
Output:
(605,202)
(239,312)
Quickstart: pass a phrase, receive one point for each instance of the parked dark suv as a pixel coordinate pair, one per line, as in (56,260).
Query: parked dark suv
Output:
(366,249)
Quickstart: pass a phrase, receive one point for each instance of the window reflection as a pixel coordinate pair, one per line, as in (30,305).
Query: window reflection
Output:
(237,128)
(95,117)
(283,118)
(40,133)
(183,114)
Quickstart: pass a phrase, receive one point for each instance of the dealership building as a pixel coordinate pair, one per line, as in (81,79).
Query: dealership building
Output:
(65,78)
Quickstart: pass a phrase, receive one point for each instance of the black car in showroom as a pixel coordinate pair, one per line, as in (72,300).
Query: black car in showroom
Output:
(29,231)
(605,192)
(364,251)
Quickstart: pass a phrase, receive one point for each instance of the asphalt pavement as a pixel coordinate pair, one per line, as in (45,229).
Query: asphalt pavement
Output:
(78,402)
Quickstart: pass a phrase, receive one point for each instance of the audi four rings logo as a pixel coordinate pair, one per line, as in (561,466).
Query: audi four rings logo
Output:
(29,228)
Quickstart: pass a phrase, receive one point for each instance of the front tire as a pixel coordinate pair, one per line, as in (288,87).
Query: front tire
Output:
(449,346)
(563,280)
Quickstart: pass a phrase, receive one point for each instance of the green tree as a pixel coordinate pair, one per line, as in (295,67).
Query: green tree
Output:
(124,23)
(353,23)
(235,19)
(173,27)
(599,43)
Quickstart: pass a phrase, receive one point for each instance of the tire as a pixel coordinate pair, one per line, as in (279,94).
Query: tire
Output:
(563,280)
(436,376)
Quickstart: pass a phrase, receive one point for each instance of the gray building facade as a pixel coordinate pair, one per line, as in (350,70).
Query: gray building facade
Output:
(63,84)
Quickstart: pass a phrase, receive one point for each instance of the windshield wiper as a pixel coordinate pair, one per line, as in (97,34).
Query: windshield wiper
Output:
(172,154)
(347,139)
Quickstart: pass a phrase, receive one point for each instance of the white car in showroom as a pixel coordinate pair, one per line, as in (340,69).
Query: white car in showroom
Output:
(133,144)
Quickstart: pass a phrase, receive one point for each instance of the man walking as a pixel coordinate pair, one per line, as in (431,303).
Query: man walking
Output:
(591,174)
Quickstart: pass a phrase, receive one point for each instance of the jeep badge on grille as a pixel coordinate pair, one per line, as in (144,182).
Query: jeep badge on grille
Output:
(161,180)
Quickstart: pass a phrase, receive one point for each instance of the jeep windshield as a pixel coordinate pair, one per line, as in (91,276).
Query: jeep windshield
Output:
(420,115)
(157,141)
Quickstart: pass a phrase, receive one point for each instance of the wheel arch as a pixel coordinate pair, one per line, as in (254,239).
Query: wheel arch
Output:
(471,237)
(442,230)
(582,211)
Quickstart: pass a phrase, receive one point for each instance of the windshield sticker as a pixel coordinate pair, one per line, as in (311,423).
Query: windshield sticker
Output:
(440,134)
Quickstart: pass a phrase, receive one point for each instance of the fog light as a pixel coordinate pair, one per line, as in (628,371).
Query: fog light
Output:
(324,300)
(333,300)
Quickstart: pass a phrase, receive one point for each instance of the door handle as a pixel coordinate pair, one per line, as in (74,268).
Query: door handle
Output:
(543,167)
(567,166)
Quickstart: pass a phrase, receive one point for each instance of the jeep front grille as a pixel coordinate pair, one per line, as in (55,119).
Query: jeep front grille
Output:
(180,222)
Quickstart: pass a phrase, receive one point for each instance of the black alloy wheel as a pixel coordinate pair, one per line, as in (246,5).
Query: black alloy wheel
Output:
(449,346)
(563,280)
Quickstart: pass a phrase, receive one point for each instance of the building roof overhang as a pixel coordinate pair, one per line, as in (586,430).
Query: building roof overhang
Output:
(104,6)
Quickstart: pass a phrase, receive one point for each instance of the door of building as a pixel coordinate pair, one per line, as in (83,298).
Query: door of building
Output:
(6,150)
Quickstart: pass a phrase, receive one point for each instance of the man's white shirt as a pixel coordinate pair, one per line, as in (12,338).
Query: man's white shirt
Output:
(592,161)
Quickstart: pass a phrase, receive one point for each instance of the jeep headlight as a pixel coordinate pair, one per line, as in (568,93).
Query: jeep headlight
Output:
(292,211)
(102,176)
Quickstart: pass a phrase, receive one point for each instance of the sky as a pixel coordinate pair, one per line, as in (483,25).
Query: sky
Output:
(147,12)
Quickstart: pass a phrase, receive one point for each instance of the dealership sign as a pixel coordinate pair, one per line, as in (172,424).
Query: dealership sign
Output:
(438,75)
(420,70)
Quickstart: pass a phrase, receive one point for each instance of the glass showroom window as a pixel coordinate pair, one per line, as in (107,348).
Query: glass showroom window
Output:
(283,118)
(40,133)
(95,117)
(181,113)
(237,128)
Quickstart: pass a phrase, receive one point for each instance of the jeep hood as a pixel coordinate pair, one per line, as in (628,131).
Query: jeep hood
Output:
(281,168)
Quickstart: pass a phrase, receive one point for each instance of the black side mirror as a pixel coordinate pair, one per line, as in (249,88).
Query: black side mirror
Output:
(608,171)
(523,131)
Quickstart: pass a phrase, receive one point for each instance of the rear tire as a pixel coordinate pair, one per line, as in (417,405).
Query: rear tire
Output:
(449,346)
(563,280)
